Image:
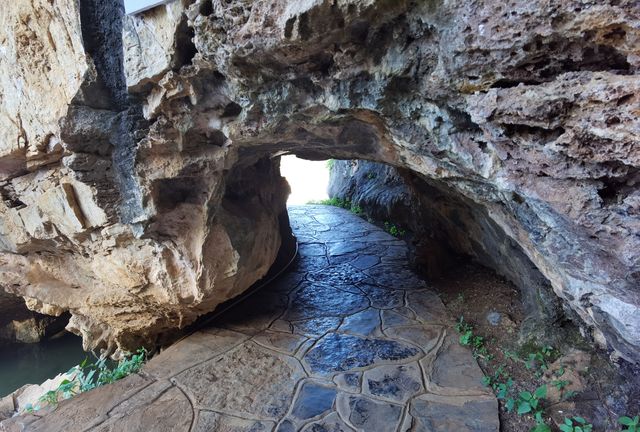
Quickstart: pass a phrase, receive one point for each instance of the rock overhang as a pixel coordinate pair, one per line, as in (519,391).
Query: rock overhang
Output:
(526,109)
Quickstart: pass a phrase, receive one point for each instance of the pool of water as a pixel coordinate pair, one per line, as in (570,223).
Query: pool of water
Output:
(35,363)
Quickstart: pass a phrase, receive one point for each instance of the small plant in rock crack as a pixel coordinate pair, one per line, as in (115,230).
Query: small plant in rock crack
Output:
(502,389)
(575,424)
(510,355)
(394,230)
(631,424)
(561,385)
(331,163)
(530,403)
(335,201)
(357,210)
(467,338)
(539,359)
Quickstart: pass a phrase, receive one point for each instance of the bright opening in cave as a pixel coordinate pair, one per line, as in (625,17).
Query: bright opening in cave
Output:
(308,179)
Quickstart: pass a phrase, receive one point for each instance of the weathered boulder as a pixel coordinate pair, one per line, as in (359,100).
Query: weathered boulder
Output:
(133,230)
(166,201)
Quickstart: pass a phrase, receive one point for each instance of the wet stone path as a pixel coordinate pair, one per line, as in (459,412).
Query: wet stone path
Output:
(348,340)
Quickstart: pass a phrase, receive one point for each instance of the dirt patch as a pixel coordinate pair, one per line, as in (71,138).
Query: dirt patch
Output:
(579,380)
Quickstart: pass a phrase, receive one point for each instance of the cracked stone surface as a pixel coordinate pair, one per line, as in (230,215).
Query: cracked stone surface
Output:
(363,345)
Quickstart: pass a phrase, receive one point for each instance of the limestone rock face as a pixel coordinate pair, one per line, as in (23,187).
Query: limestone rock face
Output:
(134,230)
(43,65)
(165,201)
(20,325)
(445,226)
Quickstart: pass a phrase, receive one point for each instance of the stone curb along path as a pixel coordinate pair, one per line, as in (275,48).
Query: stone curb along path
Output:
(348,340)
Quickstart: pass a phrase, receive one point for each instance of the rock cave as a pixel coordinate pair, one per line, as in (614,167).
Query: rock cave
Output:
(141,190)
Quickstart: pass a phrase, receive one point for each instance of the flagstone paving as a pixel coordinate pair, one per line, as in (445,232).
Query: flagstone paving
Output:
(348,340)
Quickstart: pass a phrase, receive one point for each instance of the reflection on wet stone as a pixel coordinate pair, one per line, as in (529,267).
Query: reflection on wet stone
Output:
(313,400)
(313,301)
(340,352)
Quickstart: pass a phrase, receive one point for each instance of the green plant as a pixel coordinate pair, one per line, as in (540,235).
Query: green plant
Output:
(335,201)
(530,402)
(394,230)
(575,424)
(342,203)
(539,359)
(632,424)
(50,397)
(331,163)
(510,355)
(499,374)
(467,338)
(567,395)
(560,384)
(357,210)
(88,376)
(501,389)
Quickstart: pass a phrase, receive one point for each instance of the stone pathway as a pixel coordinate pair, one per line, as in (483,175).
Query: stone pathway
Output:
(348,340)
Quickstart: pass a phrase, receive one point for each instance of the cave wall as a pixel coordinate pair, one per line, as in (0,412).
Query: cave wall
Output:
(445,229)
(19,325)
(114,181)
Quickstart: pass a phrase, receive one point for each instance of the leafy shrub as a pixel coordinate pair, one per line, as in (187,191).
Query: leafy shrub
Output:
(88,376)
(632,424)
(576,424)
(468,338)
(394,230)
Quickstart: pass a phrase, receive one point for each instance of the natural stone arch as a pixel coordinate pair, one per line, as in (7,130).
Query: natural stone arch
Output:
(526,110)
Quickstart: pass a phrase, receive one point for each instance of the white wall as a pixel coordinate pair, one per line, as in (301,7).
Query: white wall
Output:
(134,6)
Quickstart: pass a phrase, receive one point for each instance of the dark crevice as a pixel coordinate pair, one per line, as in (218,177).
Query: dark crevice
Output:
(508,83)
(613,190)
(185,48)
(546,58)
(625,99)
(511,130)
(170,193)
(232,109)
(9,197)
(462,121)
(288,27)
(101,25)
(304,30)
(206,8)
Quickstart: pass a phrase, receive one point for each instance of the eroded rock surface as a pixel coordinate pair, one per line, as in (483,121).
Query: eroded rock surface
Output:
(145,211)
(444,227)
(279,371)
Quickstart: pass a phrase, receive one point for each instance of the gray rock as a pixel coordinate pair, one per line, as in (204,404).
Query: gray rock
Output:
(494,318)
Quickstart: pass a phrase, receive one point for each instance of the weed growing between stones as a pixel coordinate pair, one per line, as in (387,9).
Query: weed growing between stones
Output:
(88,376)
(394,230)
(525,402)
(631,424)
(468,338)
(537,360)
(389,227)
(575,424)
(330,164)
(342,203)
